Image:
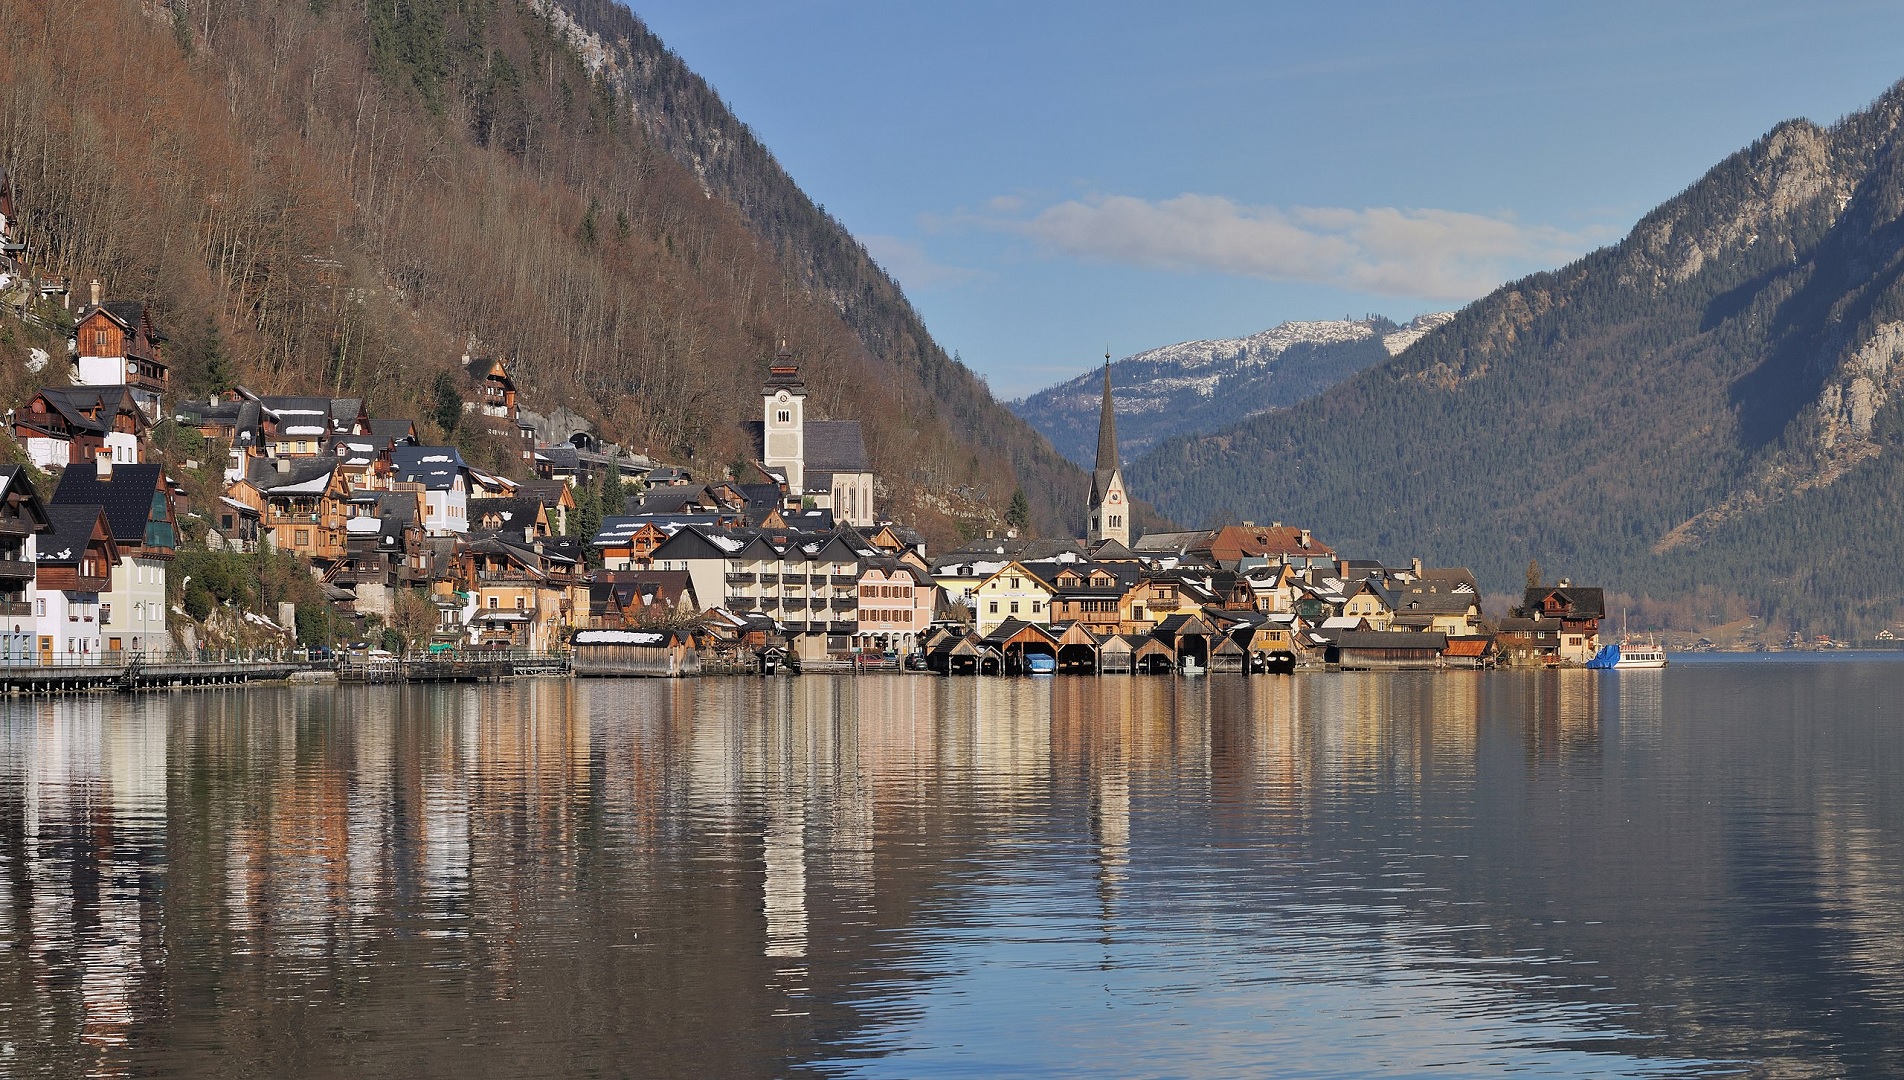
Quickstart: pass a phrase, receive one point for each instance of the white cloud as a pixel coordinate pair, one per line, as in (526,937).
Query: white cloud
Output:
(911,266)
(1434,254)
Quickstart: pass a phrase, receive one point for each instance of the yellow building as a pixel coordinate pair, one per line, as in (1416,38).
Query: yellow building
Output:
(1012,593)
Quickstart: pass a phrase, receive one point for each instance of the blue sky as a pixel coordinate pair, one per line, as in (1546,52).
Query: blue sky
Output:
(1049,179)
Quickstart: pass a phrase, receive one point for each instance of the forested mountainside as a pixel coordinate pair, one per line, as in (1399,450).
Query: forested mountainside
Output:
(1706,414)
(687,118)
(1196,387)
(345,196)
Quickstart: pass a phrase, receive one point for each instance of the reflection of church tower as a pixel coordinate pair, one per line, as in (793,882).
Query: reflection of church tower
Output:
(1110,507)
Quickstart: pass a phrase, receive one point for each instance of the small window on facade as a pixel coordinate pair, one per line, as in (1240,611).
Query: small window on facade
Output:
(993,609)
(1014,608)
(521,602)
(492,603)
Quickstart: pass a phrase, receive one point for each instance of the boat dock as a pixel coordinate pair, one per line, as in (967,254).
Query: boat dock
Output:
(139,674)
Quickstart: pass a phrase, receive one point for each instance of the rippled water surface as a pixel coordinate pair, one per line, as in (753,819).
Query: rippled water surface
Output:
(1688,872)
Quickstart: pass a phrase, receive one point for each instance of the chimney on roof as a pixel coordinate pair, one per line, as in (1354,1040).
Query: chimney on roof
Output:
(1415,565)
(1275,524)
(1564,583)
(1304,539)
(284,466)
(102,464)
(1249,524)
(95,292)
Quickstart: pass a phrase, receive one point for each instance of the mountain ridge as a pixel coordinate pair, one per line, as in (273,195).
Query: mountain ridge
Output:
(1199,386)
(1709,407)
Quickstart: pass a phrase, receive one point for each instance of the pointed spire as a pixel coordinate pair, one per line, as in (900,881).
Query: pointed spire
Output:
(1107,424)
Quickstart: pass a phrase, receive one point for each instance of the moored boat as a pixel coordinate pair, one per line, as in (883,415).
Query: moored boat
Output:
(1627,655)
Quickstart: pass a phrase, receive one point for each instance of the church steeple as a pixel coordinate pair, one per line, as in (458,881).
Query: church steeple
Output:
(1107,425)
(1110,506)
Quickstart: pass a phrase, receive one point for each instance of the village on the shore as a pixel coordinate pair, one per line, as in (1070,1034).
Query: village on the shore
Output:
(783,564)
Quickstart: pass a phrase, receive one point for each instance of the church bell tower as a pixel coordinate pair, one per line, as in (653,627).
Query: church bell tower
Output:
(1110,503)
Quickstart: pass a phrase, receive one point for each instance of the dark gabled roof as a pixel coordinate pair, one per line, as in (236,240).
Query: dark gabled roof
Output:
(272,475)
(511,511)
(810,521)
(1006,630)
(126,496)
(480,368)
(666,501)
(72,401)
(835,446)
(1176,625)
(435,467)
(72,528)
(560,455)
(13,480)
(394,430)
(356,449)
(546,492)
(1580,602)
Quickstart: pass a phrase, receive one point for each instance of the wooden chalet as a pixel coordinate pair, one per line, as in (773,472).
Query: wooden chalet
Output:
(65,425)
(118,345)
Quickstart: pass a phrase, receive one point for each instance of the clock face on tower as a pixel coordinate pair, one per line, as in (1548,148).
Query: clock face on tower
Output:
(783,397)
(132,367)
(1115,497)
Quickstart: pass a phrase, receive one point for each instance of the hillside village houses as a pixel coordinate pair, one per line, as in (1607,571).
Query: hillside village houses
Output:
(785,555)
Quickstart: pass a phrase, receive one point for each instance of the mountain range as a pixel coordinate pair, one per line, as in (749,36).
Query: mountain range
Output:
(1705,416)
(1196,387)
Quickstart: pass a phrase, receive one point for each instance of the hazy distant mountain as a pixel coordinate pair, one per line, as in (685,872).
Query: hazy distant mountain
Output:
(1710,412)
(1201,386)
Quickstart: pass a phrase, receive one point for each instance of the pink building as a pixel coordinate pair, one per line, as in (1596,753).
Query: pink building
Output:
(895,606)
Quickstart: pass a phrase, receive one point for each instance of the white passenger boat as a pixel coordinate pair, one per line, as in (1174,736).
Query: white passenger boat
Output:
(1628,654)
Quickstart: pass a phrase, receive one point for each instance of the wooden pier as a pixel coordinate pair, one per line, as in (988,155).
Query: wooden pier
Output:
(126,676)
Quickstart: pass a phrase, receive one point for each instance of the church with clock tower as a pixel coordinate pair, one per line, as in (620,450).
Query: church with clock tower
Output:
(1110,503)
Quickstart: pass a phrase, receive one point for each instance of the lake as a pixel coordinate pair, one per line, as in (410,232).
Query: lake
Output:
(1696,871)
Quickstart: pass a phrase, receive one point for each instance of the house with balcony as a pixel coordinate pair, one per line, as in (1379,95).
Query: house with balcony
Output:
(117,344)
(1091,594)
(302,504)
(139,507)
(64,425)
(526,595)
(23,518)
(807,582)
(74,568)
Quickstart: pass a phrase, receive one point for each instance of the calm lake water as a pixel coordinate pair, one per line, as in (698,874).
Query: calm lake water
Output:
(1691,872)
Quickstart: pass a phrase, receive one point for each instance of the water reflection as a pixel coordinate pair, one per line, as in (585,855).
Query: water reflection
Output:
(1568,873)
